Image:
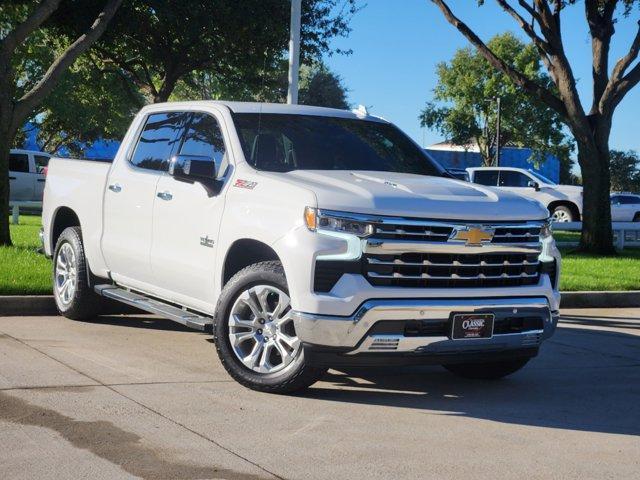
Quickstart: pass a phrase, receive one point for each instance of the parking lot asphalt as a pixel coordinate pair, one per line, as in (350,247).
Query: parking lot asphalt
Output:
(137,396)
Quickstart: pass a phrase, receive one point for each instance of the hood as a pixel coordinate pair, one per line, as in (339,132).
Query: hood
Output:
(568,189)
(408,195)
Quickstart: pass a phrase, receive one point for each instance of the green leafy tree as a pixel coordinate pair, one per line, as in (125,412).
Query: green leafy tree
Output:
(625,171)
(156,45)
(464,109)
(318,86)
(23,89)
(541,21)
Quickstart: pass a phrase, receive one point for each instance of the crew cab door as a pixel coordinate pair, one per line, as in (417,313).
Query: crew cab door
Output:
(186,221)
(517,182)
(130,195)
(21,181)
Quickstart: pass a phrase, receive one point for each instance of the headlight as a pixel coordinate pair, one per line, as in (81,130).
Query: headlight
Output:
(336,222)
(546,230)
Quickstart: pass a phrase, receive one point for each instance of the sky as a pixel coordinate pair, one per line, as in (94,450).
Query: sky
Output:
(398,43)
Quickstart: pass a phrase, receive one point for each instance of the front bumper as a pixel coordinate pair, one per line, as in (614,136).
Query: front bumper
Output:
(381,328)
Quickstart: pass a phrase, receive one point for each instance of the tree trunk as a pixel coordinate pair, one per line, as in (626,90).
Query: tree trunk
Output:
(597,234)
(5,144)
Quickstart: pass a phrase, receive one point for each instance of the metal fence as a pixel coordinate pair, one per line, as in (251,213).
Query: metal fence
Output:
(625,234)
(16,206)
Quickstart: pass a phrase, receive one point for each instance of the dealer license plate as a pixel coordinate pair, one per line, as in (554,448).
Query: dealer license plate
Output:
(472,325)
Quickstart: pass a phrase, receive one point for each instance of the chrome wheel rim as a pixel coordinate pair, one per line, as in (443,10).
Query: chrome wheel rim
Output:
(261,330)
(561,216)
(66,280)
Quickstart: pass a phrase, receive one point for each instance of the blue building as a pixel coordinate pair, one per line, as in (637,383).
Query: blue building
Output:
(454,156)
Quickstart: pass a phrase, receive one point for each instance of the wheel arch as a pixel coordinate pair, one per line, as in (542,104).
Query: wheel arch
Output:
(244,252)
(64,217)
(575,211)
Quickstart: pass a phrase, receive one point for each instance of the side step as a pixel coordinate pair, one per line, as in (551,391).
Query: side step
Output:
(151,305)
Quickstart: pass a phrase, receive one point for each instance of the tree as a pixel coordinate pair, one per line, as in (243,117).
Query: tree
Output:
(318,86)
(157,44)
(321,87)
(625,171)
(19,97)
(541,20)
(465,111)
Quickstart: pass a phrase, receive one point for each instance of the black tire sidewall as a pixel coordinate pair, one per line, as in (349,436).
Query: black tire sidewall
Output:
(84,302)
(264,273)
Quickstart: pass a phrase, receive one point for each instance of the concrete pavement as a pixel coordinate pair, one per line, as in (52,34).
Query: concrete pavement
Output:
(136,396)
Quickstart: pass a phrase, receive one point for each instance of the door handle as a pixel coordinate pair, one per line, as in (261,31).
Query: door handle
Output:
(115,187)
(12,178)
(42,180)
(164,195)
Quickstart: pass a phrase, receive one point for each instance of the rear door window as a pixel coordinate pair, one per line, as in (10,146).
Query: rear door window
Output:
(19,162)
(486,177)
(159,140)
(629,199)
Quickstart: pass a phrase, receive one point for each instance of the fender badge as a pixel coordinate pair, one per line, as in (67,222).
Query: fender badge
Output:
(206,241)
(245,184)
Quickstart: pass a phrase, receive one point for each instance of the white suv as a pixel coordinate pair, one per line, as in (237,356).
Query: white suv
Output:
(563,201)
(625,207)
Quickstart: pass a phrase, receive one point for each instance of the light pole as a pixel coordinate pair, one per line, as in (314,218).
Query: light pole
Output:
(294,51)
(498,101)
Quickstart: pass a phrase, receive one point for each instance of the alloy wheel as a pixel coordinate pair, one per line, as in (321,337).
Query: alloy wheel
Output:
(261,330)
(66,274)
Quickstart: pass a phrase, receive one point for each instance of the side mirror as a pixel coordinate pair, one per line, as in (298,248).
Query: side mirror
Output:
(534,185)
(193,168)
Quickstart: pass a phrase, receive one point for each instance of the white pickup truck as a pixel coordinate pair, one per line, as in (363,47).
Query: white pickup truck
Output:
(564,202)
(305,238)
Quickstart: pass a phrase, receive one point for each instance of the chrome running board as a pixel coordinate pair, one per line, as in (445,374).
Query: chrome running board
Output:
(151,305)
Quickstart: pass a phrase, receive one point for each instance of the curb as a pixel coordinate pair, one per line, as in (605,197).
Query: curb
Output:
(27,305)
(630,299)
(37,305)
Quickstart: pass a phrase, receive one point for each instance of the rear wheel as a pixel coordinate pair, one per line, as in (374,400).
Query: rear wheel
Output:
(254,332)
(636,217)
(73,295)
(562,214)
(487,371)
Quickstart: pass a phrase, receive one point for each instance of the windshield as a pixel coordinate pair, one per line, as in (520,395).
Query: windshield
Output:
(542,178)
(282,143)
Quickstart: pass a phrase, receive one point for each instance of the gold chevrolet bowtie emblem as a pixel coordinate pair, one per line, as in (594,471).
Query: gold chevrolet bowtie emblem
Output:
(473,236)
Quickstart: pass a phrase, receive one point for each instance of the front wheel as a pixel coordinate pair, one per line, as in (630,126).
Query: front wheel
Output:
(562,214)
(487,371)
(254,332)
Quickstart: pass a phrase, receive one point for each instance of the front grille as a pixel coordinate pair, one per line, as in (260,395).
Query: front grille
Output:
(415,233)
(516,234)
(438,270)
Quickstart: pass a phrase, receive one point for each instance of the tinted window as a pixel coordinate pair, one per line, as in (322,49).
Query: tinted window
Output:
(486,177)
(19,162)
(281,143)
(629,199)
(509,178)
(41,162)
(159,139)
(204,138)
(615,200)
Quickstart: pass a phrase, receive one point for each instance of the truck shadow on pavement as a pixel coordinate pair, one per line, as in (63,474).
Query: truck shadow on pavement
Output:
(583,379)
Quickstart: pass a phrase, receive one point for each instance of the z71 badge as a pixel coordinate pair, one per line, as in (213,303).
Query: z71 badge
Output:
(245,184)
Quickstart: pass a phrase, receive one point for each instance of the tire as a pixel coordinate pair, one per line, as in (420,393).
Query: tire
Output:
(487,371)
(264,354)
(562,213)
(78,301)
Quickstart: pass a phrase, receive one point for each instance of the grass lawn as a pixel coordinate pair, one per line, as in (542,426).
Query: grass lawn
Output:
(24,271)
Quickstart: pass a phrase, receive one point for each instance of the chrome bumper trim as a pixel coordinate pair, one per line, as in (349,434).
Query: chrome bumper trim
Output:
(397,247)
(351,332)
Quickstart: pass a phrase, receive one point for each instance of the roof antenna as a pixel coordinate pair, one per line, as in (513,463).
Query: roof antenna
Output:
(361,111)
